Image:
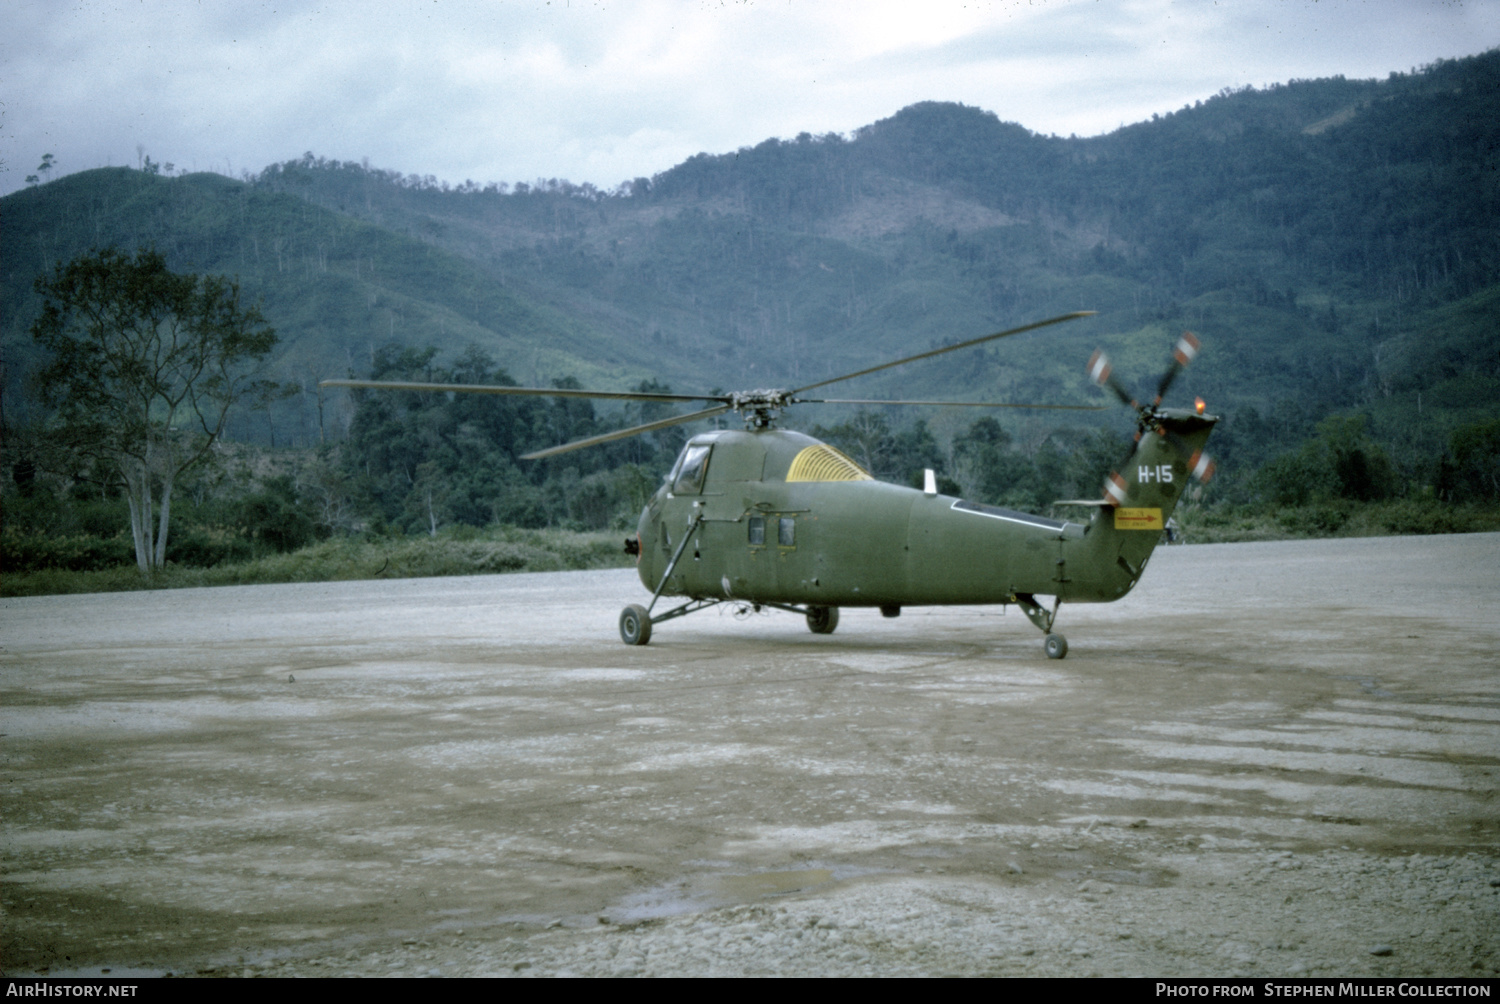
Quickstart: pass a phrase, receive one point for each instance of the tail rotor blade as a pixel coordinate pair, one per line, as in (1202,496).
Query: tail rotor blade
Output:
(1114,490)
(1183,353)
(1104,375)
(1186,349)
(1201,466)
(1114,485)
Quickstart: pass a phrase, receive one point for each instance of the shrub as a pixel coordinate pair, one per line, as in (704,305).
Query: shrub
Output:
(1320,520)
(207,546)
(1411,516)
(79,552)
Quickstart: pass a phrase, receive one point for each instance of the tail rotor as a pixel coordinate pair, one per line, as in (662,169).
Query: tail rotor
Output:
(1150,418)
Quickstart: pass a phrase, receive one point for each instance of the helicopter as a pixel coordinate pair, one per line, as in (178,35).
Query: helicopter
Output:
(763,516)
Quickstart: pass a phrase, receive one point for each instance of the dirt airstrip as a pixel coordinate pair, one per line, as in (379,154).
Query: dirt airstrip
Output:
(1270,759)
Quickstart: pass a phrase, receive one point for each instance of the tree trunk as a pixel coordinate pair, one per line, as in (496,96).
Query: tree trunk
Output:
(135,531)
(138,493)
(166,511)
(150,547)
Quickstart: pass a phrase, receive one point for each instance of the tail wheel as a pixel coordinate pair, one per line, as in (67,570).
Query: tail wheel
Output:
(1056,646)
(822,620)
(635,625)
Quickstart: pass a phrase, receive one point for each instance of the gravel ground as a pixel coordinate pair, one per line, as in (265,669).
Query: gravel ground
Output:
(1271,759)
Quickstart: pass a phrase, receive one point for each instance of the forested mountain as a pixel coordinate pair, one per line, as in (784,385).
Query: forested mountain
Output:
(1335,243)
(335,287)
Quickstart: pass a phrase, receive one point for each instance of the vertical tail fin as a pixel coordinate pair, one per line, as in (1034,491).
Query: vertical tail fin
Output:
(1139,498)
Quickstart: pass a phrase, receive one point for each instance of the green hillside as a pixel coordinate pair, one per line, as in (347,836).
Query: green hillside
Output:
(335,287)
(1306,229)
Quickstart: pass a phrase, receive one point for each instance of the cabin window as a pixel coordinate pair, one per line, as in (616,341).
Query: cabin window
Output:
(786,532)
(688,479)
(757,531)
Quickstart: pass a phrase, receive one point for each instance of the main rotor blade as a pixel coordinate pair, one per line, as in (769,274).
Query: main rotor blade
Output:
(953,404)
(479,388)
(949,348)
(634,430)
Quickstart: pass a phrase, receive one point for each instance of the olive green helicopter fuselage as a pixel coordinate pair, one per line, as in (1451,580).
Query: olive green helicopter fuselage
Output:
(777,518)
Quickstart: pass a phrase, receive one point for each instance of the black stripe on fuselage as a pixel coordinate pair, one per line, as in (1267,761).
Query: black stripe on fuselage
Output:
(1010,515)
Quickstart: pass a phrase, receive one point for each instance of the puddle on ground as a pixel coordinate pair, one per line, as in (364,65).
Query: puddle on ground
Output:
(704,892)
(776,883)
(1150,878)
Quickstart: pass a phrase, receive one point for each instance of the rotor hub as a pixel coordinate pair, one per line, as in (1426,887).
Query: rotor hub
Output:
(759,408)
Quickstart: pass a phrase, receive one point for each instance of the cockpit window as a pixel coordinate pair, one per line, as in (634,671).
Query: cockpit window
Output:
(687,477)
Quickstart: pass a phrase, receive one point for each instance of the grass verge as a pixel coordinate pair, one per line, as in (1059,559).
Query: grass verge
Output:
(1237,524)
(499,549)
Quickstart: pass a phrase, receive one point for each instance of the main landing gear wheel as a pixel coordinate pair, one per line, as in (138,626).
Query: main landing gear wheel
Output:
(635,625)
(1056,646)
(822,620)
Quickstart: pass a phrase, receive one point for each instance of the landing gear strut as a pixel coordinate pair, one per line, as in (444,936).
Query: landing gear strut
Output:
(1055,645)
(636,620)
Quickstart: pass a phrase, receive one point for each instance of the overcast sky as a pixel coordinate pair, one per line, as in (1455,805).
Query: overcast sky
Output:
(605,91)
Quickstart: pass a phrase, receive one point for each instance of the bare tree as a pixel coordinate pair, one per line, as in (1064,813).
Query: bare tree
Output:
(145,365)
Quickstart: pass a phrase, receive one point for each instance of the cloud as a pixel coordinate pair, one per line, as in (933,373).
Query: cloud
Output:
(602,91)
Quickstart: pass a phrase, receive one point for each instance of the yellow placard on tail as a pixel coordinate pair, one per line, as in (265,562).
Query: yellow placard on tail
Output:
(1138,519)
